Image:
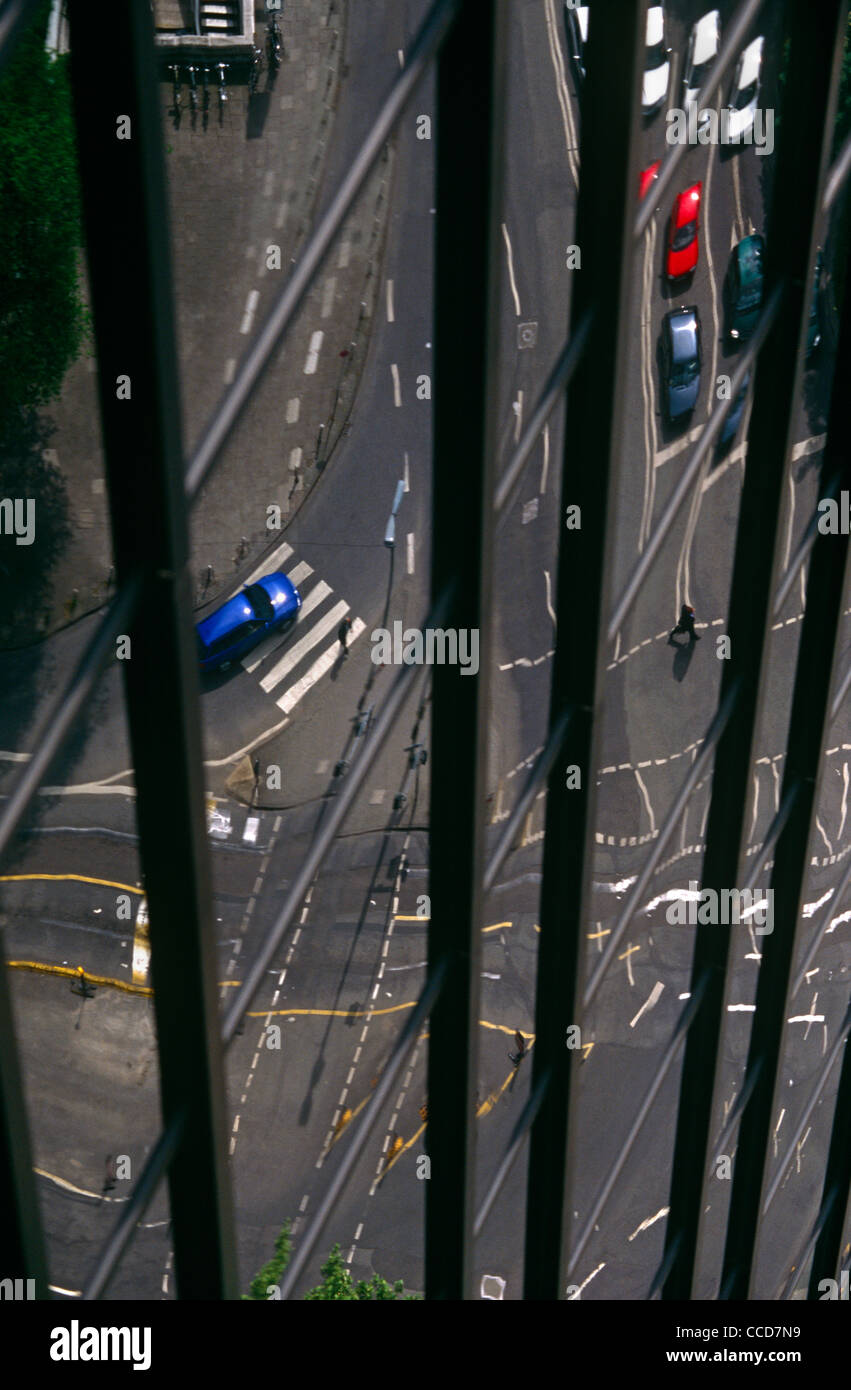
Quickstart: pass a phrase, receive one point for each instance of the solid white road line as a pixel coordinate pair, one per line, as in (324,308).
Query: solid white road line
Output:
(290,699)
(511,278)
(300,649)
(410,552)
(546,462)
(313,600)
(561,89)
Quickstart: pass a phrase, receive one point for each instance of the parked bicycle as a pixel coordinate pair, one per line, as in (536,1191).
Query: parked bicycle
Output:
(205,89)
(175,84)
(256,69)
(273,41)
(223,96)
(193,87)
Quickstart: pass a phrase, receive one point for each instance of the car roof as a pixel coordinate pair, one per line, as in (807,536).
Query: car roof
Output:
(750,61)
(749,254)
(683,325)
(655,25)
(706,32)
(237,610)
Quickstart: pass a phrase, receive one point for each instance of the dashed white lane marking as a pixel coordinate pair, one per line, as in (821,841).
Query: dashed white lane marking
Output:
(268,183)
(650,1221)
(290,699)
(328,293)
(293,409)
(649,1003)
(401,58)
(230,371)
(511,278)
(527,661)
(410,552)
(300,649)
(281,214)
(390,314)
(545,464)
(844,806)
(517,407)
(407,475)
(345,253)
(271,644)
(313,352)
(397,394)
(250,309)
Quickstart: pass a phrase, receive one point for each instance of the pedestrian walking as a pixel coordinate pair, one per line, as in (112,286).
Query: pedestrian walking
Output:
(343,635)
(685,624)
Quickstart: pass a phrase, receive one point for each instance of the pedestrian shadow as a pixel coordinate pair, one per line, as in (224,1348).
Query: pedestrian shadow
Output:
(682,657)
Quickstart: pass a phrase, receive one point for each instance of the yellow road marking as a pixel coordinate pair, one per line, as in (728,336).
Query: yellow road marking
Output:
(40,969)
(76,878)
(595,935)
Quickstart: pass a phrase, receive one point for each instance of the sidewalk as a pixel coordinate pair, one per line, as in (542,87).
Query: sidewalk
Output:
(244,181)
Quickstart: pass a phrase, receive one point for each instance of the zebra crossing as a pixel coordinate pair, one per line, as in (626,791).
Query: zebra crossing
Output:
(299,646)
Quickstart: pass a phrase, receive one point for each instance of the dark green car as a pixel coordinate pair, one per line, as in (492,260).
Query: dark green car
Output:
(744,287)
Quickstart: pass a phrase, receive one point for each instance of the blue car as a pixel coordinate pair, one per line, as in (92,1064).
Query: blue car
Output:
(681,361)
(270,605)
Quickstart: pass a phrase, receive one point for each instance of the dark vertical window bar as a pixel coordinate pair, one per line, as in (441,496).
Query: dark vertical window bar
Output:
(469,154)
(808,726)
(814,36)
(605,215)
(126,224)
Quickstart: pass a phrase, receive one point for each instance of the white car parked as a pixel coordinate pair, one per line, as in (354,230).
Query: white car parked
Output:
(657,65)
(744,93)
(704,42)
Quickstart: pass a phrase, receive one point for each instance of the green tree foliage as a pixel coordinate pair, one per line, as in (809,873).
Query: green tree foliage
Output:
(43,321)
(271,1273)
(336,1283)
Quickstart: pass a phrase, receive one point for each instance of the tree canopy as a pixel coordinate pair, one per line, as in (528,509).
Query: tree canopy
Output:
(43,320)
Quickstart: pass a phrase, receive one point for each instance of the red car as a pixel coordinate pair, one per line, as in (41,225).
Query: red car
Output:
(647,176)
(682,234)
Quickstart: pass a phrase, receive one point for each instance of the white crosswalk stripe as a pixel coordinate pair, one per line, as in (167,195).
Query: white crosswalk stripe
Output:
(313,600)
(271,565)
(295,653)
(291,697)
(299,650)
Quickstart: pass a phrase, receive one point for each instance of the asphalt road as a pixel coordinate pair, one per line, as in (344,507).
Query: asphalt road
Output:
(353,962)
